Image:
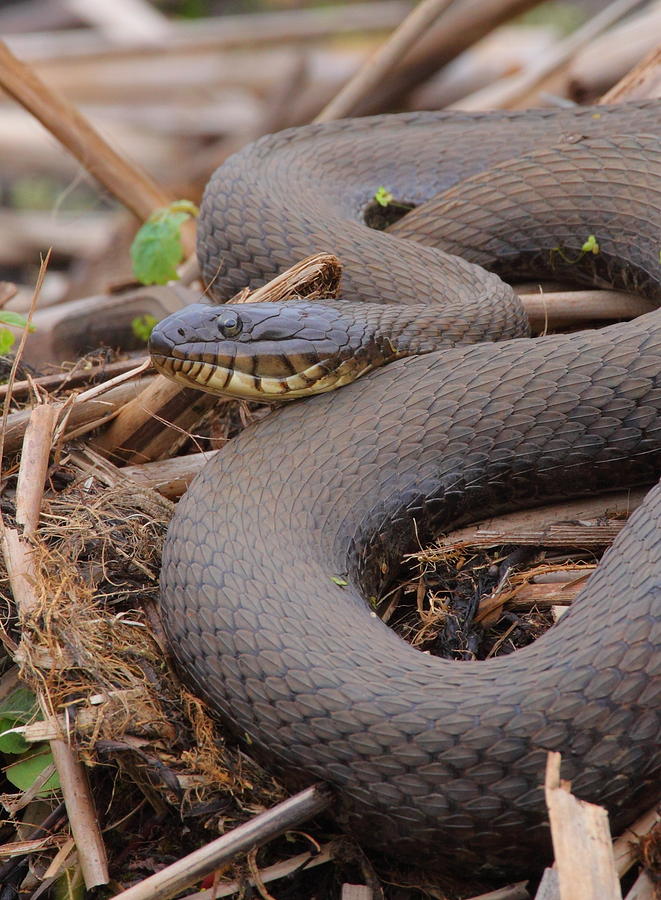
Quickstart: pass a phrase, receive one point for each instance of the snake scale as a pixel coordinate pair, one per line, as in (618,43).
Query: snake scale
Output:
(431,758)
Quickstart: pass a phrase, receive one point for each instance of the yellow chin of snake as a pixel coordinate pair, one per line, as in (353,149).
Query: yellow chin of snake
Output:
(216,379)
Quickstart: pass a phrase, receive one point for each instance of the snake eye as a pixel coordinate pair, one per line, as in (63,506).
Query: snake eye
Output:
(230,324)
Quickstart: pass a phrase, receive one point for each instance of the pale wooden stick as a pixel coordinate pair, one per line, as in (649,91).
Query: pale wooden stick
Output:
(515,88)
(625,848)
(262,828)
(516,891)
(34,467)
(581,842)
(538,521)
(132,187)
(553,308)
(386,58)
(302,862)
(82,815)
(643,889)
(642,82)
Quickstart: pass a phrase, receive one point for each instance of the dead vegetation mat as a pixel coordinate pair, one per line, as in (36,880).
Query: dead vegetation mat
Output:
(165,777)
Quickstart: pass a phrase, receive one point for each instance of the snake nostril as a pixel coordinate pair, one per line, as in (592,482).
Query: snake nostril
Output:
(181,332)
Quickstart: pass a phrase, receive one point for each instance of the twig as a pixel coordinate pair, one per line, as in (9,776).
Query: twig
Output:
(643,81)
(512,527)
(560,308)
(625,848)
(300,863)
(386,57)
(514,89)
(462,26)
(73,378)
(581,842)
(511,892)
(262,828)
(132,187)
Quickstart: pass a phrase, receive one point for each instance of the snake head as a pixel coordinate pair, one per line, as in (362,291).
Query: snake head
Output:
(262,351)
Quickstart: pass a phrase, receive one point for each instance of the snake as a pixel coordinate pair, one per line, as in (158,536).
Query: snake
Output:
(281,544)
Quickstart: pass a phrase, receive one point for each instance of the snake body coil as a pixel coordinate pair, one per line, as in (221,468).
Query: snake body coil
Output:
(429,756)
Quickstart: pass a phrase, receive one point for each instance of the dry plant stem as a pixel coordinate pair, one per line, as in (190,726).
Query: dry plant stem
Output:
(561,308)
(132,187)
(302,862)
(643,889)
(377,68)
(463,25)
(74,378)
(511,892)
(140,434)
(625,848)
(82,815)
(34,467)
(251,30)
(262,828)
(515,89)
(642,82)
(509,528)
(18,554)
(82,417)
(581,842)
(170,477)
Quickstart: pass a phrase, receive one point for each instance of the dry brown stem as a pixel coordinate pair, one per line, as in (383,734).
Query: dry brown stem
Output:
(641,83)
(558,309)
(517,89)
(134,188)
(378,66)
(463,25)
(262,828)
(537,524)
(81,417)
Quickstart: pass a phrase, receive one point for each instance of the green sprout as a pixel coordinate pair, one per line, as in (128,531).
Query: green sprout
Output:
(7,337)
(142,326)
(157,250)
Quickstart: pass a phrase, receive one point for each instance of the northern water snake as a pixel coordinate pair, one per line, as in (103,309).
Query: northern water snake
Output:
(429,756)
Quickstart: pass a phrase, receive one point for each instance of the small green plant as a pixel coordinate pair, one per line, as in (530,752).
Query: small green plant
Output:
(142,326)
(17,709)
(591,245)
(339,581)
(7,337)
(157,250)
(383,196)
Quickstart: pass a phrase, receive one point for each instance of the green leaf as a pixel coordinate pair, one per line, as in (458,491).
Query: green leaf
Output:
(383,196)
(7,340)
(157,250)
(142,326)
(12,742)
(7,317)
(16,709)
(25,772)
(591,245)
(342,582)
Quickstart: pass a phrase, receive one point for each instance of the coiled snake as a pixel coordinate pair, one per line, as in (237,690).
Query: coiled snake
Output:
(429,756)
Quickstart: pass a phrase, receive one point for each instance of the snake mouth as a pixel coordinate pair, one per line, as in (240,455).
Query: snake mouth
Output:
(218,379)
(264,352)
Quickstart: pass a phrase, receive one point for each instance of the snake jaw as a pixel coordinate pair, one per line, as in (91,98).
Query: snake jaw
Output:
(283,351)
